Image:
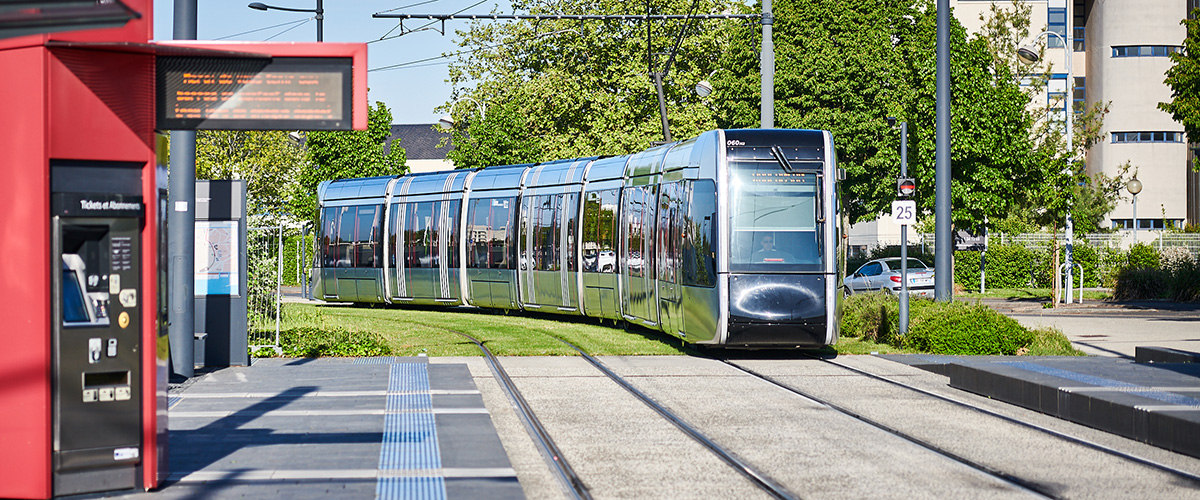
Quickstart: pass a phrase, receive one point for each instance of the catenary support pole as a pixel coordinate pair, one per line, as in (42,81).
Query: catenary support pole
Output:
(904,236)
(181,225)
(768,68)
(943,245)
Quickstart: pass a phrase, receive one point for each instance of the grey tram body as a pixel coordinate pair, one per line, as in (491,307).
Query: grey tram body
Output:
(665,238)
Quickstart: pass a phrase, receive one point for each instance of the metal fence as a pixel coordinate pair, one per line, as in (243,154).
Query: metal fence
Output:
(1161,240)
(264,269)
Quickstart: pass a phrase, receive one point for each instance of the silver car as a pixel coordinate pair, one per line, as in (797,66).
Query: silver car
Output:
(884,275)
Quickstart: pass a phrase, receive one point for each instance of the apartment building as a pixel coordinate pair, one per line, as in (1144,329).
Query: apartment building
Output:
(1119,52)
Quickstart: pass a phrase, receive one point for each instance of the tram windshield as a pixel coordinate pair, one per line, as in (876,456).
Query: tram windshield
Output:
(774,218)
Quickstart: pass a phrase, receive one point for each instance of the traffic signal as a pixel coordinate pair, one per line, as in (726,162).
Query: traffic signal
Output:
(906,187)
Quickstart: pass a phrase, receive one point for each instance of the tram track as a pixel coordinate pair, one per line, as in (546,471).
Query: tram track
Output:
(1026,475)
(574,484)
(1025,484)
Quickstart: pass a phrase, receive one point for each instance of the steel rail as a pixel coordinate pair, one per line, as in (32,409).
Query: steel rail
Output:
(571,481)
(1061,435)
(1027,486)
(758,478)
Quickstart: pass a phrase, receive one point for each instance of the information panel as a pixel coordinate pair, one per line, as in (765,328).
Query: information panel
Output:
(216,258)
(230,93)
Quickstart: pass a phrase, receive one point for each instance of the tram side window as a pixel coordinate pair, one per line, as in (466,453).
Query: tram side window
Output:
(329,237)
(488,232)
(699,256)
(345,236)
(634,217)
(420,235)
(668,234)
(394,209)
(570,207)
(545,215)
(366,247)
(452,215)
(600,231)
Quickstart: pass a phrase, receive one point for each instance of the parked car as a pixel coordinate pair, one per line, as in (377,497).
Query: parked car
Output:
(884,275)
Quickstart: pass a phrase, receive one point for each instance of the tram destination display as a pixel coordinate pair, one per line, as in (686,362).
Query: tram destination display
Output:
(231,93)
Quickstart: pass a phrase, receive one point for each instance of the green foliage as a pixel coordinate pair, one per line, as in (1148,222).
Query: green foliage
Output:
(563,89)
(945,328)
(311,342)
(1184,79)
(1143,256)
(962,328)
(845,66)
(268,161)
(1174,275)
(347,154)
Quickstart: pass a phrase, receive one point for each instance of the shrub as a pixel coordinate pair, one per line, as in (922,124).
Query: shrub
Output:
(870,316)
(1184,281)
(1143,256)
(962,328)
(312,342)
(946,328)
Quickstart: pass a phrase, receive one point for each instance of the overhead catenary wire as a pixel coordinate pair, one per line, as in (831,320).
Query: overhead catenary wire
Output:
(385,15)
(412,64)
(298,23)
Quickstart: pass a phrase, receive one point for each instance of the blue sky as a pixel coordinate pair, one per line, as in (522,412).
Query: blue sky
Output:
(411,92)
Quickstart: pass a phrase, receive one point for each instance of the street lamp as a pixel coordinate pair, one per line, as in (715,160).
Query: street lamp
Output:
(1028,55)
(1134,187)
(447,122)
(319,11)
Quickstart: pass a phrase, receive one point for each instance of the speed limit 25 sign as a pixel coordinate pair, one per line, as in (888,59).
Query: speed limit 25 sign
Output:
(904,212)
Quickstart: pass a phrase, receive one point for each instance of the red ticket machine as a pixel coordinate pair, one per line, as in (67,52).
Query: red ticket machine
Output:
(82,377)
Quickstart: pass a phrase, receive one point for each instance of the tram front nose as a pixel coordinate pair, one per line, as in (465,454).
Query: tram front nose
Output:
(777,310)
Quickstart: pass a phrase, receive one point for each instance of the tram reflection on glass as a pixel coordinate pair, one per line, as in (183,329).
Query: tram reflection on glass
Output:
(727,239)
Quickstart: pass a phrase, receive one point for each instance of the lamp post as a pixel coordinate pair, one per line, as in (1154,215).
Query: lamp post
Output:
(1134,187)
(1029,56)
(319,11)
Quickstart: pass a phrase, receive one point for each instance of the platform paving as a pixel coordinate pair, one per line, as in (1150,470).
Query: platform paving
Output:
(1153,402)
(382,428)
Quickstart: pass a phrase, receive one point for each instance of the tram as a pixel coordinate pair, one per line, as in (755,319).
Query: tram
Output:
(727,239)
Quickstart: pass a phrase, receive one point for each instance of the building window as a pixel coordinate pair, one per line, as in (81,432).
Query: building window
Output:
(1056,21)
(1147,223)
(1124,137)
(1145,50)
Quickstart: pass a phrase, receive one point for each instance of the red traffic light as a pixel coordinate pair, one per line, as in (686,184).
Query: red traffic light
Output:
(906,187)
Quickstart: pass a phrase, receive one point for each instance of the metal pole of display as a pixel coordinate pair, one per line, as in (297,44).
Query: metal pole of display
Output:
(768,68)
(943,242)
(904,236)
(181,225)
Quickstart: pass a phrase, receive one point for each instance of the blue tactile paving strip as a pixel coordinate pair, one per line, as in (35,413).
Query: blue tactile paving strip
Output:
(386,428)
(410,436)
(1155,403)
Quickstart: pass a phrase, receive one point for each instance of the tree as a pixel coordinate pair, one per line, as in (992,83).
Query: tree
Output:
(846,66)
(347,154)
(267,160)
(563,89)
(1184,79)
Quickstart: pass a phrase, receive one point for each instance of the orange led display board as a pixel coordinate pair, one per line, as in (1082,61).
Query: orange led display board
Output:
(279,93)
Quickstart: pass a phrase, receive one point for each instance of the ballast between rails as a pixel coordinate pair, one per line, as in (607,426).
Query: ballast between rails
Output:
(726,239)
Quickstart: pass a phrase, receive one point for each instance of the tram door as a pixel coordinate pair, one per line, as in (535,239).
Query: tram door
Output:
(638,253)
(667,247)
